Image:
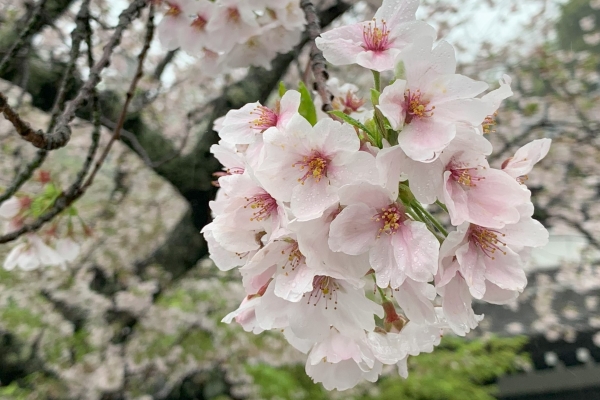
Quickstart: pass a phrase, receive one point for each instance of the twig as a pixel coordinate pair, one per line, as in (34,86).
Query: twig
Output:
(24,37)
(76,190)
(130,93)
(317,61)
(61,133)
(25,174)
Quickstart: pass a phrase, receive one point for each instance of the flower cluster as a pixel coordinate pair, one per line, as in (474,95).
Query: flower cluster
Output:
(330,222)
(55,246)
(226,34)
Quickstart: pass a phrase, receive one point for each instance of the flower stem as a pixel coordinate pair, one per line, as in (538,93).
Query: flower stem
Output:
(377,79)
(430,217)
(441,205)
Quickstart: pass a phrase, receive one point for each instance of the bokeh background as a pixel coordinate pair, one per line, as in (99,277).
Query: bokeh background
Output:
(137,315)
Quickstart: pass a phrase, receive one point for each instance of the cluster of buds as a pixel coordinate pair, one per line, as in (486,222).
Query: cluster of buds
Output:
(330,222)
(226,34)
(56,245)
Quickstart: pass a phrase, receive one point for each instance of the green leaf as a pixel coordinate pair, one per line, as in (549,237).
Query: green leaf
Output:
(348,119)
(375,97)
(307,107)
(282,89)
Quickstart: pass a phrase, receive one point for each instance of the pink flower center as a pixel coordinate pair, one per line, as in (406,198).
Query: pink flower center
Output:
(324,287)
(233,14)
(266,118)
(174,10)
(315,166)
(263,205)
(487,240)
(488,124)
(390,219)
(376,38)
(294,258)
(348,104)
(466,176)
(199,23)
(416,107)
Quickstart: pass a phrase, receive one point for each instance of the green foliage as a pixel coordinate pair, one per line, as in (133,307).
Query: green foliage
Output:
(457,369)
(282,89)
(307,107)
(570,33)
(348,119)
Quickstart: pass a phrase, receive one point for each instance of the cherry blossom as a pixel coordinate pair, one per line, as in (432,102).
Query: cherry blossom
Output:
(398,246)
(525,158)
(305,165)
(375,44)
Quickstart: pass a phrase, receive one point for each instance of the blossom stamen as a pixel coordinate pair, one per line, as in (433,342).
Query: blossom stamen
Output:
(415,106)
(466,176)
(376,38)
(266,118)
(294,258)
(199,23)
(390,217)
(324,287)
(487,240)
(174,10)
(488,124)
(233,14)
(263,204)
(316,167)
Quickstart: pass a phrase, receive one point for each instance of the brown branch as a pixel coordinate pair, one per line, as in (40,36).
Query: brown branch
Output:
(24,38)
(317,61)
(61,133)
(23,128)
(76,190)
(82,21)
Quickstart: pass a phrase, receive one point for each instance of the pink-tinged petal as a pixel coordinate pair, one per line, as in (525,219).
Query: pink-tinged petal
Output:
(527,232)
(422,63)
(495,97)
(494,201)
(417,249)
(310,199)
(233,239)
(10,208)
(472,111)
(456,306)
(506,270)
(455,199)
(397,11)
(391,103)
(353,231)
(13,257)
(223,259)
(526,157)
(424,138)
(359,166)
(452,87)
(415,300)
(378,60)
(342,45)
(169,30)
(472,268)
(68,249)
(383,260)
(338,137)
(46,254)
(495,295)
(292,286)
(469,140)
(373,196)
(288,107)
(426,179)
(29,260)
(392,166)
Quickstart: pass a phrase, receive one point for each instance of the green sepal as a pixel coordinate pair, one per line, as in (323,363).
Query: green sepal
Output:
(307,107)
